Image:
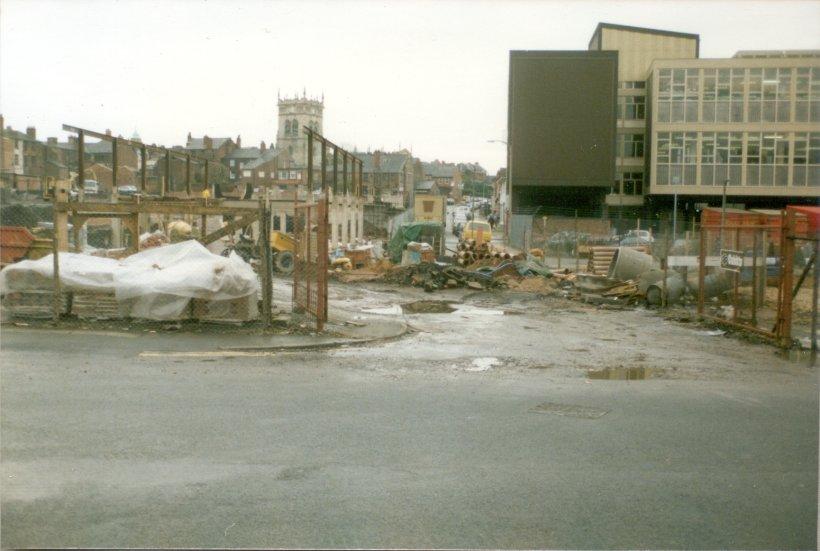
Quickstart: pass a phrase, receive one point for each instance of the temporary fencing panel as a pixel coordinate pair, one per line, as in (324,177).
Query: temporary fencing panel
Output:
(311,262)
(739,273)
(751,276)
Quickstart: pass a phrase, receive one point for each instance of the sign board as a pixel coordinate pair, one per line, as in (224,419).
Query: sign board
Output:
(429,208)
(731,260)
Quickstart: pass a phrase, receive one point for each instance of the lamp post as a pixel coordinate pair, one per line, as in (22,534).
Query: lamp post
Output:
(722,213)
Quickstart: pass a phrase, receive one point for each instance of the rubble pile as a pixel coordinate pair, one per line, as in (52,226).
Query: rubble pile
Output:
(433,276)
(155,239)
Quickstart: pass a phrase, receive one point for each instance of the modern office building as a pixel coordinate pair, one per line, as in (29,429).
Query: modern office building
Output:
(751,122)
(685,126)
(637,49)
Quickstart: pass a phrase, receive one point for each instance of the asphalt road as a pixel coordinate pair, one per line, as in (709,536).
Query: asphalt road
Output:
(424,442)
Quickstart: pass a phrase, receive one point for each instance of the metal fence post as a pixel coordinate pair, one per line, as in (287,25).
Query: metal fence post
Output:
(577,255)
(701,270)
(814,292)
(664,297)
(265,257)
(57,302)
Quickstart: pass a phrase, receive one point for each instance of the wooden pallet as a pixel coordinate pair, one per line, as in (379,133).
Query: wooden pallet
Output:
(599,259)
(237,310)
(96,305)
(34,304)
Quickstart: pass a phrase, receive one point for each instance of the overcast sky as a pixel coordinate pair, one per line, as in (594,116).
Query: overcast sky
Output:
(431,76)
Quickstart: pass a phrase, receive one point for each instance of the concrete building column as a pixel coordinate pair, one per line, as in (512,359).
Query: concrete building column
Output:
(359,227)
(346,217)
(332,217)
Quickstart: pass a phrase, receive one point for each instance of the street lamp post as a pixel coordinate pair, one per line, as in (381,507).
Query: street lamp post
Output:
(722,213)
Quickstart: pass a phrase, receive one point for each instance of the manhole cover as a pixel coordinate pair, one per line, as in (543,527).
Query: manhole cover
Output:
(566,410)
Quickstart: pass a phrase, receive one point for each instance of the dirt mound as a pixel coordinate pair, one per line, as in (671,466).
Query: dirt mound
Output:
(537,284)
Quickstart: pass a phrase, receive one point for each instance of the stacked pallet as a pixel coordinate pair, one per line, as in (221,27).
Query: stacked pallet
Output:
(237,310)
(96,305)
(34,304)
(599,259)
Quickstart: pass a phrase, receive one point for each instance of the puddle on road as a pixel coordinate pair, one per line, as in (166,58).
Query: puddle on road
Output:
(392,310)
(622,373)
(428,307)
(483,364)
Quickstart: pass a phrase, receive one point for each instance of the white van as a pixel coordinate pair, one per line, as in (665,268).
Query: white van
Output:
(91,187)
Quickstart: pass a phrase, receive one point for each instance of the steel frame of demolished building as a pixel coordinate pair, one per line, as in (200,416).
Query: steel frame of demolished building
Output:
(129,211)
(310,270)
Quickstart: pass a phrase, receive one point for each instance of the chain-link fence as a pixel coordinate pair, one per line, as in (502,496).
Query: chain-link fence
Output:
(732,270)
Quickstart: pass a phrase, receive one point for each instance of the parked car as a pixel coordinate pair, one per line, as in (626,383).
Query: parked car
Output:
(91,187)
(480,231)
(637,237)
(564,241)
(127,190)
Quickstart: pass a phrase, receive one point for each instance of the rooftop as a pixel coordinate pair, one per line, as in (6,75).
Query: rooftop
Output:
(199,143)
(776,53)
(439,170)
(389,163)
(245,153)
(264,157)
(646,30)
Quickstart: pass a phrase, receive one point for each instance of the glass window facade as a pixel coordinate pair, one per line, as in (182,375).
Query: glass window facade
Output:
(630,145)
(678,93)
(632,183)
(807,95)
(729,95)
(632,84)
(632,108)
(743,158)
(750,126)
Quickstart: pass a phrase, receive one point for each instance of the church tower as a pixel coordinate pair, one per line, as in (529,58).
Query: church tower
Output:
(294,114)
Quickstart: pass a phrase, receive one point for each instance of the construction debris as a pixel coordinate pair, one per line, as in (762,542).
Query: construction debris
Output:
(433,276)
(470,252)
(155,239)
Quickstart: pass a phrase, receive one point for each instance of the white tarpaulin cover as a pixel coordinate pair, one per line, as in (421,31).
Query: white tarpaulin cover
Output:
(156,283)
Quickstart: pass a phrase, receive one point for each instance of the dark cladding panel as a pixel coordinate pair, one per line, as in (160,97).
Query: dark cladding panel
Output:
(562,118)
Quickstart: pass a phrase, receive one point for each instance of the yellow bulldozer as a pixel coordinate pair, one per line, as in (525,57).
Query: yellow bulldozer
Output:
(283,248)
(282,245)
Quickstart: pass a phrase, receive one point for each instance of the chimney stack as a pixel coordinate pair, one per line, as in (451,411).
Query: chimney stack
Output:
(31,132)
(107,132)
(207,143)
(189,137)
(377,160)
(262,146)
(238,140)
